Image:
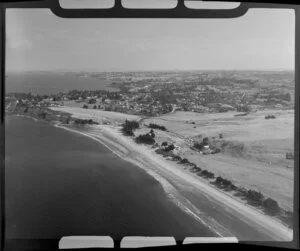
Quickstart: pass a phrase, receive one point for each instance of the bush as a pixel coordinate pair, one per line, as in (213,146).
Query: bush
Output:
(201,145)
(270,117)
(224,183)
(255,197)
(165,143)
(177,158)
(195,169)
(271,206)
(127,131)
(85,106)
(129,126)
(132,124)
(170,148)
(155,126)
(85,121)
(184,161)
(145,138)
(152,134)
(206,174)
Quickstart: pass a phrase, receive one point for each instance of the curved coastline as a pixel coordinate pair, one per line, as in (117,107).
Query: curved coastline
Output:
(171,192)
(179,185)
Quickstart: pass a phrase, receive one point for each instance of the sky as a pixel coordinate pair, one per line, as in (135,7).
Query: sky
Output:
(262,39)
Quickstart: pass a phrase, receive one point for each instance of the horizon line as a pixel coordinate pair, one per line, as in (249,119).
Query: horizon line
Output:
(136,70)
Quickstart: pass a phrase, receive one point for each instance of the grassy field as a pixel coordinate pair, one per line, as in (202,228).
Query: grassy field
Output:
(261,165)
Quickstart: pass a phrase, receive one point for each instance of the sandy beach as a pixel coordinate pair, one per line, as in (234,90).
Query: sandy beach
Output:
(223,213)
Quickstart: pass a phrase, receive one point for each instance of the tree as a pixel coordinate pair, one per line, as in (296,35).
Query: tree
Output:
(146,139)
(154,126)
(129,126)
(152,134)
(271,205)
(165,143)
(170,148)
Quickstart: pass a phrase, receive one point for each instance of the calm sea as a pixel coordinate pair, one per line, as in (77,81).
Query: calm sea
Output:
(59,183)
(47,83)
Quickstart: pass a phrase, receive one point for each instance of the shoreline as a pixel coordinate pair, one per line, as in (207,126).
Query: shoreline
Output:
(170,190)
(176,181)
(210,206)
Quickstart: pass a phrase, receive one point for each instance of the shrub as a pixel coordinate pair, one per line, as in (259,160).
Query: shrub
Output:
(85,121)
(201,145)
(271,206)
(255,197)
(170,148)
(195,169)
(224,183)
(184,161)
(155,126)
(270,117)
(145,138)
(127,131)
(94,107)
(152,134)
(132,124)
(165,143)
(207,174)
(85,106)
(129,126)
(177,158)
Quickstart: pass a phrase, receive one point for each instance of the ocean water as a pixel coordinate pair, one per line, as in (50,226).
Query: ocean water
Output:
(47,83)
(59,183)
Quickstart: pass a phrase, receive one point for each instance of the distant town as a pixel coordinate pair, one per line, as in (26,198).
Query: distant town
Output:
(157,93)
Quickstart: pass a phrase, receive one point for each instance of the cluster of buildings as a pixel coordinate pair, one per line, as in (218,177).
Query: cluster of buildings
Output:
(157,93)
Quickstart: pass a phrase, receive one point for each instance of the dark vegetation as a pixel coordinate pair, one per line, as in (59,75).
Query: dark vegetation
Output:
(206,174)
(129,126)
(254,198)
(167,147)
(145,139)
(85,122)
(155,126)
(184,161)
(270,117)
